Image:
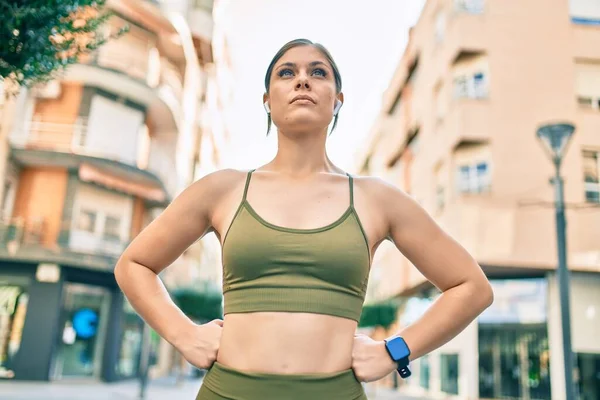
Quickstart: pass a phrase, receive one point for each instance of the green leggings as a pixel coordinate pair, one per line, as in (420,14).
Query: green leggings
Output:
(224,383)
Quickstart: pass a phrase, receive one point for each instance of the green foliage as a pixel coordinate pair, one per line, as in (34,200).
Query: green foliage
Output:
(40,37)
(202,303)
(378,314)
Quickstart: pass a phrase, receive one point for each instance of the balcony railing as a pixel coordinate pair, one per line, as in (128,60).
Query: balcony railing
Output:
(60,135)
(136,64)
(29,239)
(145,65)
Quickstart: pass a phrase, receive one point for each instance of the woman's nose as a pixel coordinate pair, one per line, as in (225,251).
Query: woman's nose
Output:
(302,83)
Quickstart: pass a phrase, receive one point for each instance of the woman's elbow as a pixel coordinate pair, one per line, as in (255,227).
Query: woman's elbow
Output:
(485,293)
(121,270)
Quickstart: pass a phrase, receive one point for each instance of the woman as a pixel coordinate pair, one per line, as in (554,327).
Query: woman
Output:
(298,236)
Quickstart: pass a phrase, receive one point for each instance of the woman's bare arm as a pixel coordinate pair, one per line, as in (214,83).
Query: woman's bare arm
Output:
(184,221)
(466,292)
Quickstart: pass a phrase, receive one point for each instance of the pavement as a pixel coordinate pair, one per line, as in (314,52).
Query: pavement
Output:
(159,389)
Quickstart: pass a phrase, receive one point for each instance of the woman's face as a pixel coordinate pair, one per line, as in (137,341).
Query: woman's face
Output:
(302,91)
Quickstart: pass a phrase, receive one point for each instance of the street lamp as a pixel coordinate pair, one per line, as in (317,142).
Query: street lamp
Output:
(555,138)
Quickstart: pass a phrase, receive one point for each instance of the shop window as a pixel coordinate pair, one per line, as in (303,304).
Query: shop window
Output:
(449,373)
(131,342)
(424,372)
(587,376)
(13,308)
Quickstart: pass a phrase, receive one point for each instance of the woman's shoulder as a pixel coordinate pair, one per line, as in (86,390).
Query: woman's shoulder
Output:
(221,181)
(378,190)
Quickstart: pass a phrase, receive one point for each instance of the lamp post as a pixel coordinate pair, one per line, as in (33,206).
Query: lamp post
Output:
(555,139)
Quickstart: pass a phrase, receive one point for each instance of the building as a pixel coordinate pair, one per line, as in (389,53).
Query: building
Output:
(457,131)
(94,157)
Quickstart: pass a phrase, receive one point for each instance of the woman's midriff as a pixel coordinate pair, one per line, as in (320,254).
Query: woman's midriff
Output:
(286,343)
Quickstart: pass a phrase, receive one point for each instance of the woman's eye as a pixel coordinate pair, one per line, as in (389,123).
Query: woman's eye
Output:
(285,72)
(320,72)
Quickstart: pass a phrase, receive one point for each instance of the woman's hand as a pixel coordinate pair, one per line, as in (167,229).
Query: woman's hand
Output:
(200,344)
(370,359)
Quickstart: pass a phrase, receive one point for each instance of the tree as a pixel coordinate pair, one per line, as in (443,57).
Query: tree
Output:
(41,37)
(202,303)
(379,314)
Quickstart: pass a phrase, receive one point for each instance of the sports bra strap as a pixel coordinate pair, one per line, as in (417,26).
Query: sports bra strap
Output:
(247,184)
(351,182)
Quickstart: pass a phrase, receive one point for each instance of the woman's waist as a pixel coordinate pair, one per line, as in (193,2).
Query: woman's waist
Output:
(287,343)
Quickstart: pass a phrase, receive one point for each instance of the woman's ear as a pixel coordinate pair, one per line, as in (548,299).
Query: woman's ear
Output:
(266,103)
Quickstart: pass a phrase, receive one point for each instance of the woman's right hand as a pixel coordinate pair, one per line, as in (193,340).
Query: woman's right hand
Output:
(199,345)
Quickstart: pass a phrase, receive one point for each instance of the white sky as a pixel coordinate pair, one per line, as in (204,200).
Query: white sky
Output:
(366,39)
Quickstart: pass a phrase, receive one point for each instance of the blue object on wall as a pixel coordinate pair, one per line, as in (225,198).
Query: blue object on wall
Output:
(85,323)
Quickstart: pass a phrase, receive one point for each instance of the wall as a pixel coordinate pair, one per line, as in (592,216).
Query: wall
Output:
(41,193)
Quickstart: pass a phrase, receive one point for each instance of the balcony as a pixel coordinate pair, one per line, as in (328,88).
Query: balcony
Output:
(140,75)
(467,122)
(61,143)
(31,240)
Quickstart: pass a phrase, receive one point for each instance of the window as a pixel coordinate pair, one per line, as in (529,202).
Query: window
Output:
(588,375)
(591,176)
(470,6)
(587,77)
(112,226)
(449,373)
(473,86)
(474,178)
(87,221)
(424,372)
(585,12)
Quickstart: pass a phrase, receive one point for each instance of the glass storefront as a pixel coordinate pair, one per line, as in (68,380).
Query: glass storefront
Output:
(424,372)
(83,327)
(13,309)
(587,375)
(449,373)
(131,342)
(514,361)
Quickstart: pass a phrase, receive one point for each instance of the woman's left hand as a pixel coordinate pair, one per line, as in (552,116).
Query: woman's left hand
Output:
(370,359)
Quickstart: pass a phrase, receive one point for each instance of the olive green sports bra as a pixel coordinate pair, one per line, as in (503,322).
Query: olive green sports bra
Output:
(271,268)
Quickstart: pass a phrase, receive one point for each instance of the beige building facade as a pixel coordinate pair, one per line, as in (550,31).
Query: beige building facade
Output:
(91,159)
(457,131)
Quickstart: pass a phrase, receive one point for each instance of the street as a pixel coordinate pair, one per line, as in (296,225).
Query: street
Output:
(159,389)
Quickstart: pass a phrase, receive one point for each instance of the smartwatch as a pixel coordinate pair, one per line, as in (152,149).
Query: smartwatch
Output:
(399,351)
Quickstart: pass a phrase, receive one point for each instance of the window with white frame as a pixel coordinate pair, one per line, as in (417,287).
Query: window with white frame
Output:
(585,11)
(86,220)
(473,86)
(470,6)
(591,175)
(101,220)
(112,227)
(474,177)
(587,76)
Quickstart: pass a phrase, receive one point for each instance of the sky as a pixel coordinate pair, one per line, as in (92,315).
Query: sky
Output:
(365,38)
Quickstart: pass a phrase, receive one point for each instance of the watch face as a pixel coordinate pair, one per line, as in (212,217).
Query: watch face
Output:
(398,348)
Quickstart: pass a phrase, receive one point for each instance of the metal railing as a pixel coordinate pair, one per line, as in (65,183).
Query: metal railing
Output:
(20,235)
(60,134)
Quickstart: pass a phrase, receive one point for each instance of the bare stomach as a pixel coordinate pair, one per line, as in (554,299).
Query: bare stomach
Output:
(286,343)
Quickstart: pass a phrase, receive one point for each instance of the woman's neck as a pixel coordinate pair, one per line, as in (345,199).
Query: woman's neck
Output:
(302,155)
